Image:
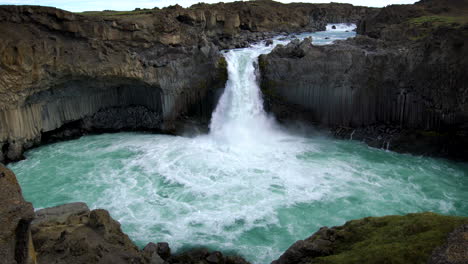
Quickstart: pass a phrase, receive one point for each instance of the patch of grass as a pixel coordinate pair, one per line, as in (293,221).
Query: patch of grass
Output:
(116,13)
(438,20)
(391,239)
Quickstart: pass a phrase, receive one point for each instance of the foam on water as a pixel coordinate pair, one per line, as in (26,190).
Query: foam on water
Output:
(249,187)
(341,27)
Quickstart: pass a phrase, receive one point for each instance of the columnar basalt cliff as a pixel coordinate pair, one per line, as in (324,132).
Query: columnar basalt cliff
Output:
(401,83)
(63,74)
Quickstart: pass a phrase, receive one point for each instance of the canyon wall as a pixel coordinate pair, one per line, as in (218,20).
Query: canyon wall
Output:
(63,74)
(16,216)
(401,84)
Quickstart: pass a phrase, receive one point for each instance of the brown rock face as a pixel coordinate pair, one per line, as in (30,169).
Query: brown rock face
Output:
(15,217)
(455,250)
(64,74)
(73,234)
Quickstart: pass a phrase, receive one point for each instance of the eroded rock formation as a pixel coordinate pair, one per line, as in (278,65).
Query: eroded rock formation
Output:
(72,233)
(63,74)
(401,84)
(15,217)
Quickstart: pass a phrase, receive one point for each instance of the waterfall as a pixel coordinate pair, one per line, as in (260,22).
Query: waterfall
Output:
(239,116)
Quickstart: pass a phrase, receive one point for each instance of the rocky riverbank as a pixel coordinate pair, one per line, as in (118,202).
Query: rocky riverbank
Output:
(400,84)
(63,74)
(72,233)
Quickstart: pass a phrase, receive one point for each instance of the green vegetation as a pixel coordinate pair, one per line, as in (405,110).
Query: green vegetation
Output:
(422,27)
(222,69)
(436,21)
(391,239)
(262,63)
(118,13)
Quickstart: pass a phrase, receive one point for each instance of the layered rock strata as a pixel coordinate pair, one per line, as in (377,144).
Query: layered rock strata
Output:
(64,74)
(402,84)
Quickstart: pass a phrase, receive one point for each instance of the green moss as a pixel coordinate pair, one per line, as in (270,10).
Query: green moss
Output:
(431,133)
(262,63)
(109,13)
(419,28)
(391,239)
(268,89)
(436,21)
(222,69)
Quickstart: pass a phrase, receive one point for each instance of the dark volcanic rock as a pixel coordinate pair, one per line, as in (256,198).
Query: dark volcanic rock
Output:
(455,250)
(412,85)
(15,217)
(203,256)
(72,234)
(144,70)
(389,239)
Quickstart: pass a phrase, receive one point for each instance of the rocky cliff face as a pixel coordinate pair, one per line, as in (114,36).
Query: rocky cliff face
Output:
(58,67)
(402,82)
(63,74)
(15,218)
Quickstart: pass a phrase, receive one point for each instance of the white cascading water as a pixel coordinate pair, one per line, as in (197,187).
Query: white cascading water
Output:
(239,117)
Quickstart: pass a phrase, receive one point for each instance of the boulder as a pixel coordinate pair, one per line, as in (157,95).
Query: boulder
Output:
(15,217)
(72,233)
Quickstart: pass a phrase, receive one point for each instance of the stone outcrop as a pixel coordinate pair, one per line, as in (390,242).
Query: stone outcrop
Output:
(390,239)
(15,217)
(58,67)
(404,88)
(455,249)
(65,73)
(72,233)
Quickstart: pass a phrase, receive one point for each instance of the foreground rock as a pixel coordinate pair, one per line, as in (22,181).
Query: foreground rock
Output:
(389,239)
(71,233)
(15,217)
(455,250)
(404,88)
